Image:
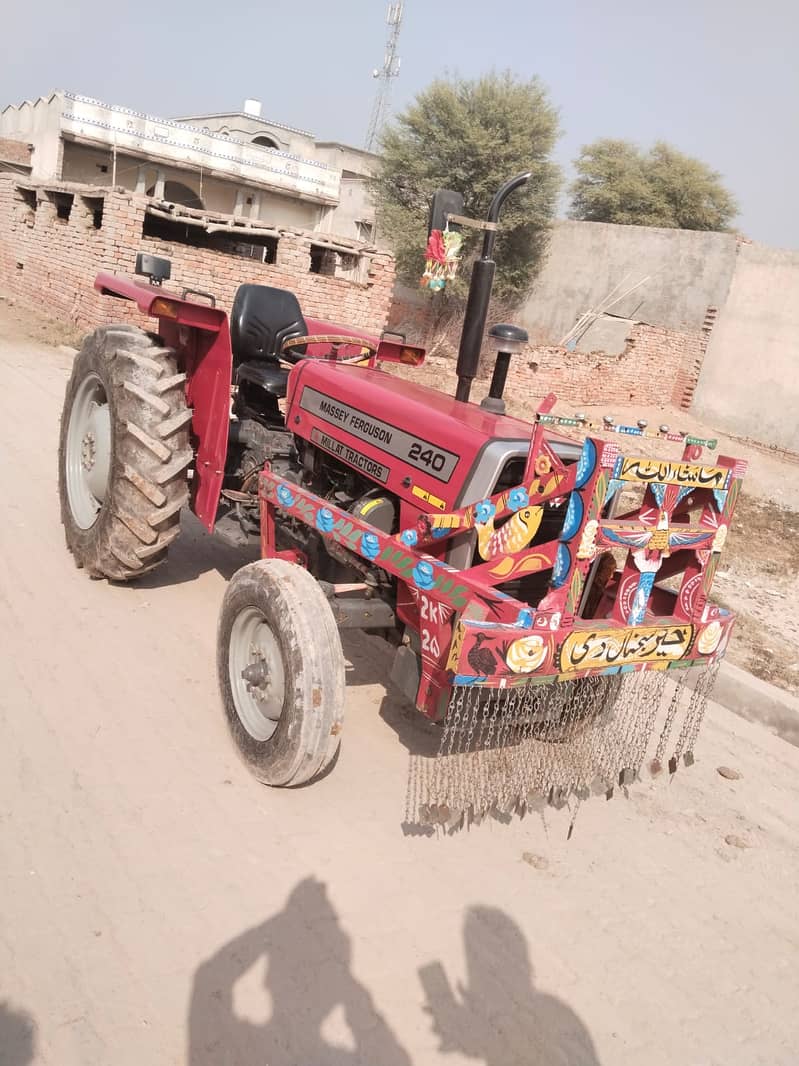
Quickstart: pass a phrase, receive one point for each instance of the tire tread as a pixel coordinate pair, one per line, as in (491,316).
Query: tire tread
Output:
(151,453)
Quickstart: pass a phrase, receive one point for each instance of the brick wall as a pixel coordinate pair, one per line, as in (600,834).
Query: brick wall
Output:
(49,263)
(657,366)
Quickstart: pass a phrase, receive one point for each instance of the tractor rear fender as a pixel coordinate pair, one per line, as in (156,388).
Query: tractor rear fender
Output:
(200,336)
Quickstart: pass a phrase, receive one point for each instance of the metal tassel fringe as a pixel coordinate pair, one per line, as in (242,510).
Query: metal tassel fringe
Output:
(513,750)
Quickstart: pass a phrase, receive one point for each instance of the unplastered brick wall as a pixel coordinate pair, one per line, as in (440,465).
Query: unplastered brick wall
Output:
(657,365)
(49,247)
(55,238)
(680,353)
(577,378)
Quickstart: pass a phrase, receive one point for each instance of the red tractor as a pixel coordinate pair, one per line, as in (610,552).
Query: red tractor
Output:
(525,578)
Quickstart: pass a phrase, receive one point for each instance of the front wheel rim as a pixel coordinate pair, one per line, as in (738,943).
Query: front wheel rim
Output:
(88,451)
(256,674)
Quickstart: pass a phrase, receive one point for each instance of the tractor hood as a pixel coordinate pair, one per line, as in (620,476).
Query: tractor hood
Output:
(422,445)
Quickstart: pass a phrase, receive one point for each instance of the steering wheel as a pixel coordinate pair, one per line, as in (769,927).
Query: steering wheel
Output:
(337,341)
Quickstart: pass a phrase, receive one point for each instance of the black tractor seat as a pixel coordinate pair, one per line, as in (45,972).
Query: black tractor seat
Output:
(261,321)
(267,329)
(268,376)
(263,318)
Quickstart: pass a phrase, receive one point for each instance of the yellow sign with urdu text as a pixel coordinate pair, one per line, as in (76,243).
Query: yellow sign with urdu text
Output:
(597,649)
(653,471)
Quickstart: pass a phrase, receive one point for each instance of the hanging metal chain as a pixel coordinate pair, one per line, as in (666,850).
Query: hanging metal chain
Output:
(504,750)
(656,765)
(693,717)
(707,682)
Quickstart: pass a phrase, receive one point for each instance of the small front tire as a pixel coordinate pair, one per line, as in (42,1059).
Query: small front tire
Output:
(281,672)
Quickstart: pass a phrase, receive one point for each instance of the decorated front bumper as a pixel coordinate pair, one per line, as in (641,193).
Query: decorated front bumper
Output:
(486,653)
(625,593)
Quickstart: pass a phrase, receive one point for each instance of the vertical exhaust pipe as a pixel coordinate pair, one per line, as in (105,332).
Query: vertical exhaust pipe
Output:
(482,280)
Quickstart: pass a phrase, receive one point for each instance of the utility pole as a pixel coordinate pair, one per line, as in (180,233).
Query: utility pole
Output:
(384,75)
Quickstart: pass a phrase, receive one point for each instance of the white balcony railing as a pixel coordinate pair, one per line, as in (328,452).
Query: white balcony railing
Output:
(171,141)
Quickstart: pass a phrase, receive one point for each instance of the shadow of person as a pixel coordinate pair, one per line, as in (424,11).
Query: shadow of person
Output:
(17,1036)
(500,1018)
(320,1014)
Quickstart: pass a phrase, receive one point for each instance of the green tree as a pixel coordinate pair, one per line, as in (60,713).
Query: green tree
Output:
(471,136)
(618,182)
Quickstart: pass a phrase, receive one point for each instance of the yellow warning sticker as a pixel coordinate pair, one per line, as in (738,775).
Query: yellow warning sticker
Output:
(428,497)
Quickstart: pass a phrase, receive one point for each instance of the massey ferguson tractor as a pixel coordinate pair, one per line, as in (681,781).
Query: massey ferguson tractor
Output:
(545,589)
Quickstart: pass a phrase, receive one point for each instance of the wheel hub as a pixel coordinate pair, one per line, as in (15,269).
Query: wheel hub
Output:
(87,456)
(88,450)
(257,679)
(256,675)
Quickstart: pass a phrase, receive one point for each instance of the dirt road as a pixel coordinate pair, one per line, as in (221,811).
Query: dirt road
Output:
(158,906)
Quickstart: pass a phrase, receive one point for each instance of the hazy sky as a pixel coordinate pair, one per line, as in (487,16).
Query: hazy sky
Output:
(720,80)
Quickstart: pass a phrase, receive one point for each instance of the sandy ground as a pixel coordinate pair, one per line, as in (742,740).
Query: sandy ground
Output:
(158,906)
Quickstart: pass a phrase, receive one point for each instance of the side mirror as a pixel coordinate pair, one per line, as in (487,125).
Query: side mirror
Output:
(153,267)
(445,202)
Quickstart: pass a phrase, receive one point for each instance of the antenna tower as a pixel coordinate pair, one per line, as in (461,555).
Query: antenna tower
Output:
(384,75)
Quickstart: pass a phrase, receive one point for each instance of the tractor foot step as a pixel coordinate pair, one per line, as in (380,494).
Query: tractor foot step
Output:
(361,613)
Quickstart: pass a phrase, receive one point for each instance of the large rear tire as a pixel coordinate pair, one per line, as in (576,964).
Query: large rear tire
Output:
(124,453)
(281,672)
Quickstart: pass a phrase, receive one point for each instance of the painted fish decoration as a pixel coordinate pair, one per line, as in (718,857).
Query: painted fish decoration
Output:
(516,534)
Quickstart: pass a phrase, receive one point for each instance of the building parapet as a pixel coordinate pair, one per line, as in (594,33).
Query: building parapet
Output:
(134,131)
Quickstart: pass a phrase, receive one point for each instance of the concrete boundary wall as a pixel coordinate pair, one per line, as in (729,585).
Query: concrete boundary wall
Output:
(688,272)
(750,377)
(722,336)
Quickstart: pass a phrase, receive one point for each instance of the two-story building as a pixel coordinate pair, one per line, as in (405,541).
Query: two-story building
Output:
(235,164)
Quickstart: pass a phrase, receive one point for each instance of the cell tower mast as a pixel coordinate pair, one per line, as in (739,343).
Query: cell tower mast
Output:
(384,75)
